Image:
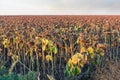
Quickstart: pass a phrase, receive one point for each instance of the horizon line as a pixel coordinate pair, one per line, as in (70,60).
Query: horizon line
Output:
(64,15)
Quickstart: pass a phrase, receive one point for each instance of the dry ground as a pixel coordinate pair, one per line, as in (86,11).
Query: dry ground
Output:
(110,72)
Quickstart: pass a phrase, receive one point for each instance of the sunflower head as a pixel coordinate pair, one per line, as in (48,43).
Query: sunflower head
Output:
(48,57)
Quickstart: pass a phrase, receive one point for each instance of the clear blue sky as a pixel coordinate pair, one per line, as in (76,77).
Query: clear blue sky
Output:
(59,7)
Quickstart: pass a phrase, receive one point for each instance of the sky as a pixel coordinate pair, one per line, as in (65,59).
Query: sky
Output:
(59,7)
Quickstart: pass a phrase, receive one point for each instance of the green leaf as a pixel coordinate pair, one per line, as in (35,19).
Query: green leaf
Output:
(76,70)
(88,70)
(31,76)
(98,60)
(50,43)
(55,50)
(67,73)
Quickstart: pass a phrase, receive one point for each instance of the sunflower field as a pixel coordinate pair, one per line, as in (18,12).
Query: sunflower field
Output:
(57,47)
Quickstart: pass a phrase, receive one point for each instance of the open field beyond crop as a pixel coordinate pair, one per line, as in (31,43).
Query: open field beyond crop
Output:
(59,47)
